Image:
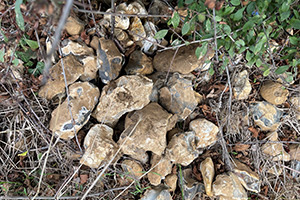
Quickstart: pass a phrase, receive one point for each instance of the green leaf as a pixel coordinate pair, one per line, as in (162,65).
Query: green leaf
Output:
(226,29)
(176,42)
(228,10)
(38,69)
(32,44)
(295,23)
(201,17)
(258,62)
(248,25)
(175,20)
(201,51)
(285,15)
(266,72)
(189,1)
(240,42)
(294,40)
(2,53)
(249,56)
(235,2)
(185,28)
(211,71)
(238,15)
(208,26)
(161,34)
(19,16)
(282,69)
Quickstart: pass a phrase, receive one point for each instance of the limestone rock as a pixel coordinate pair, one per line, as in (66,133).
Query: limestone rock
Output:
(73,26)
(75,48)
(99,146)
(242,86)
(182,148)
(171,181)
(274,92)
(55,84)
(136,8)
(139,63)
(208,172)
(275,150)
(205,131)
(110,60)
(295,100)
(133,168)
(157,194)
(150,43)
(294,152)
(184,62)
(159,7)
(145,130)
(137,30)
(199,97)
(229,187)
(123,95)
(272,136)
(162,169)
(248,178)
(83,98)
(121,22)
(266,115)
(190,186)
(95,42)
(90,68)
(123,38)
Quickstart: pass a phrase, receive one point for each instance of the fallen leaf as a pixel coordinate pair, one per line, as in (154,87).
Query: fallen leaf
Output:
(241,147)
(83,178)
(210,3)
(254,131)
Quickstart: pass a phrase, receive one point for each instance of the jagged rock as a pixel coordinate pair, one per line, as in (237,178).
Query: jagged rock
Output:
(157,194)
(99,146)
(133,168)
(242,86)
(83,98)
(171,181)
(274,92)
(294,152)
(266,115)
(295,100)
(136,8)
(205,131)
(248,178)
(73,26)
(159,7)
(110,60)
(137,30)
(121,22)
(75,48)
(190,186)
(276,150)
(150,43)
(208,172)
(145,130)
(272,136)
(90,68)
(95,42)
(229,187)
(199,97)
(123,95)
(182,148)
(163,168)
(55,84)
(139,63)
(123,38)
(178,96)
(184,62)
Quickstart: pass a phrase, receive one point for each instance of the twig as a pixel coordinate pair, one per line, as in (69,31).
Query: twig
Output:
(215,34)
(171,64)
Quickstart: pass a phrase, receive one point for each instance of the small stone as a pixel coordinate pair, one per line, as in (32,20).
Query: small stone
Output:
(157,194)
(136,8)
(99,146)
(137,30)
(75,48)
(272,136)
(294,152)
(276,150)
(295,100)
(229,187)
(184,62)
(95,42)
(190,186)
(133,168)
(90,68)
(171,181)
(248,178)
(266,115)
(159,7)
(123,95)
(83,98)
(182,148)
(205,131)
(121,22)
(162,167)
(199,97)
(55,84)
(73,26)
(145,130)
(274,92)
(242,86)
(123,38)
(110,60)
(208,172)
(150,43)
(139,63)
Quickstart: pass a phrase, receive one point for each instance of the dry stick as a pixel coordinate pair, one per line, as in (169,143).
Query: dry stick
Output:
(215,34)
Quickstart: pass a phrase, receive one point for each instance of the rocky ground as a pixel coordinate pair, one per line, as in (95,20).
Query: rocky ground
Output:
(122,115)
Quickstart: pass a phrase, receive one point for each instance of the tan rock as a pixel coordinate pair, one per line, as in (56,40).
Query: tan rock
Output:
(157,194)
(121,22)
(272,136)
(75,48)
(137,30)
(274,92)
(99,146)
(199,97)
(158,7)
(139,63)
(73,26)
(171,181)
(123,95)
(133,168)
(266,115)
(145,130)
(205,131)
(294,152)
(276,150)
(83,98)
(55,84)
(242,86)
(162,167)
(90,68)
(123,38)
(248,178)
(136,8)
(295,100)
(229,187)
(208,172)
(184,62)
(189,185)
(95,42)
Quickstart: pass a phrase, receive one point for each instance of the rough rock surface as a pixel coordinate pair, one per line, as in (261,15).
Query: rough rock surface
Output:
(99,146)
(157,194)
(229,187)
(55,84)
(133,168)
(139,63)
(242,86)
(150,131)
(208,172)
(276,151)
(171,181)
(149,44)
(137,30)
(73,26)
(295,100)
(121,22)
(162,169)
(190,186)
(75,48)
(205,131)
(90,68)
(272,136)
(266,115)
(274,92)
(182,148)
(123,38)
(123,95)
(83,98)
(184,62)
